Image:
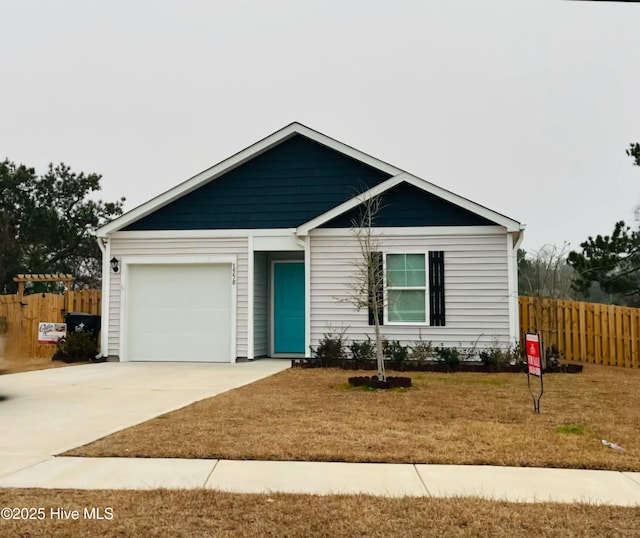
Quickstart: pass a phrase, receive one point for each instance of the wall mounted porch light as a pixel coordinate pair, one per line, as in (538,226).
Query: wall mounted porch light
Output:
(115,264)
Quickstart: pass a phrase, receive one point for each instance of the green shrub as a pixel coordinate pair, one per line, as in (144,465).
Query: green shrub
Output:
(395,351)
(448,355)
(363,351)
(517,352)
(422,351)
(492,357)
(76,347)
(496,355)
(330,348)
(468,353)
(552,356)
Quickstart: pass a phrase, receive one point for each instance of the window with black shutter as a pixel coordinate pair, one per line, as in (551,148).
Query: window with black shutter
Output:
(410,288)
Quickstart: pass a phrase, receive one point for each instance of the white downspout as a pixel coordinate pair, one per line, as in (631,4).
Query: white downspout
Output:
(250,299)
(512,276)
(105,248)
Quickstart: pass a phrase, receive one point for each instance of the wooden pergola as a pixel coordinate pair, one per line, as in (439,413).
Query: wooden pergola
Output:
(44,277)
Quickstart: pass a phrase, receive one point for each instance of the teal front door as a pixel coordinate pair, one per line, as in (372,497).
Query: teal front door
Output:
(288,307)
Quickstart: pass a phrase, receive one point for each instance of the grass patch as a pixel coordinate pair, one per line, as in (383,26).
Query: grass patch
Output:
(578,429)
(348,386)
(30,364)
(480,419)
(464,379)
(182,514)
(399,389)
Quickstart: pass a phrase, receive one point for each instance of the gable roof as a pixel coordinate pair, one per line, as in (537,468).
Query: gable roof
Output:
(405,205)
(387,178)
(482,212)
(291,183)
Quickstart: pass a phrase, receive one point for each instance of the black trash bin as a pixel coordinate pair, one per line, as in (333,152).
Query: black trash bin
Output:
(79,321)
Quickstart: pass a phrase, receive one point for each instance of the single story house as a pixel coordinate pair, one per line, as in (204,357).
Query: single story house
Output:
(257,255)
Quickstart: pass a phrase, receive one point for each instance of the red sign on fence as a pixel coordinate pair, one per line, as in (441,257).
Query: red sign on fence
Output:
(532,344)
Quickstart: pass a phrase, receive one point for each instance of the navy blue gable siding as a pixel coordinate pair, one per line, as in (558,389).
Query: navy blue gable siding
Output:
(283,187)
(406,205)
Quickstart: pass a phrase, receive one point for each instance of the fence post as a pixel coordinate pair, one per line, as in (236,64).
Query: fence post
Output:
(634,335)
(582,323)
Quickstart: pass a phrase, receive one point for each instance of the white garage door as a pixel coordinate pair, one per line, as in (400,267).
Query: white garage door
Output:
(178,312)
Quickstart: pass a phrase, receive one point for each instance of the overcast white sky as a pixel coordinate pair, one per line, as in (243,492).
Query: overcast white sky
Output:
(523,106)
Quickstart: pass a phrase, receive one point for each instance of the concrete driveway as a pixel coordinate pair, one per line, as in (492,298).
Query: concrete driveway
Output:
(46,412)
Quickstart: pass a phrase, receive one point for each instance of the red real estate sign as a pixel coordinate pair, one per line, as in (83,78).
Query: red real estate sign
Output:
(532,344)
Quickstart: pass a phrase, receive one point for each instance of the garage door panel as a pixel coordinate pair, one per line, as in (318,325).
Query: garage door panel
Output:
(161,297)
(179,312)
(199,349)
(192,321)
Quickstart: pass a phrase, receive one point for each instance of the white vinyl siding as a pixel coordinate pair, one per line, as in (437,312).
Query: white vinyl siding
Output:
(123,247)
(476,287)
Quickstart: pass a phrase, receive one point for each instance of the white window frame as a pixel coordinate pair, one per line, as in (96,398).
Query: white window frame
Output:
(424,323)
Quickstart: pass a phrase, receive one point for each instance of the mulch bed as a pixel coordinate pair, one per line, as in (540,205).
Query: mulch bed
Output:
(374,383)
(415,366)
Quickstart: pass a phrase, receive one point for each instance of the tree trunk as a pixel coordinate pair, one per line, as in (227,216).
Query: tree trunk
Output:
(382,375)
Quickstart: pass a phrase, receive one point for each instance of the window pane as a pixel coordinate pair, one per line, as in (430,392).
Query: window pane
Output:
(407,305)
(395,262)
(396,270)
(415,278)
(415,261)
(406,270)
(396,279)
(415,269)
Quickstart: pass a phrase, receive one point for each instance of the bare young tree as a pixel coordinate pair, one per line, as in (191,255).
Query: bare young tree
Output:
(545,273)
(367,284)
(546,277)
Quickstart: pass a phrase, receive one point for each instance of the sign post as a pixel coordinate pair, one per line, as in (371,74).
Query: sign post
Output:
(534,366)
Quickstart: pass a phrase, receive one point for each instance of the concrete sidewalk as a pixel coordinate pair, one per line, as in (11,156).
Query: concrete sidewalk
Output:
(517,484)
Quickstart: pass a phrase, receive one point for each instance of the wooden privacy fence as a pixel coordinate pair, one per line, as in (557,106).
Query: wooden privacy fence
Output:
(585,332)
(22,318)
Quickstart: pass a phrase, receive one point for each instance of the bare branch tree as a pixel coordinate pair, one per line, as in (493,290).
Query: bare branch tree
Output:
(546,273)
(547,278)
(367,284)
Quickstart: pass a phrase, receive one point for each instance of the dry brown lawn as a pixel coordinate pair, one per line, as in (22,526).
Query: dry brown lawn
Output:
(15,365)
(201,513)
(461,418)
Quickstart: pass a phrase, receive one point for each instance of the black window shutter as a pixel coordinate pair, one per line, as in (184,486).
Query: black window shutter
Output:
(436,288)
(376,260)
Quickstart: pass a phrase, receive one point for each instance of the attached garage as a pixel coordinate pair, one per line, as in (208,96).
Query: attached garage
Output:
(178,312)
